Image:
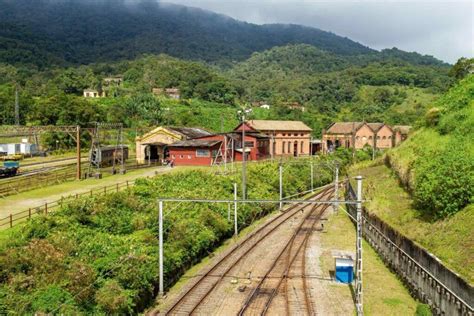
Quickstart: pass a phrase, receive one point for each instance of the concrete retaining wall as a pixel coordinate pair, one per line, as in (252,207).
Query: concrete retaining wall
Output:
(425,276)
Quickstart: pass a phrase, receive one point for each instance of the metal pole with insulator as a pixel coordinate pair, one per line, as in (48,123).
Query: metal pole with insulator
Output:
(78,152)
(160,243)
(244,172)
(358,289)
(281,186)
(336,187)
(236,231)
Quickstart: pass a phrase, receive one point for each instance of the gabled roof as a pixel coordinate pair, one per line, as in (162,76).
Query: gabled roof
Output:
(404,129)
(375,126)
(269,125)
(176,132)
(195,143)
(190,132)
(344,127)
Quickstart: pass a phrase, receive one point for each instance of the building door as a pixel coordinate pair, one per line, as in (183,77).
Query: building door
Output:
(295,149)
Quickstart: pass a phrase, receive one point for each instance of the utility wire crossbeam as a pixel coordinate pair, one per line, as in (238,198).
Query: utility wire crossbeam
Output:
(161,203)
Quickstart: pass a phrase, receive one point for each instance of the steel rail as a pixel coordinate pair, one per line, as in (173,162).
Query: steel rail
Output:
(285,215)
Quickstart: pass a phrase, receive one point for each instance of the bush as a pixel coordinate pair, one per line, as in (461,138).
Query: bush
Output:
(444,184)
(423,310)
(113,299)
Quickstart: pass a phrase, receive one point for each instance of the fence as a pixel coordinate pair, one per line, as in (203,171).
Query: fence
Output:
(426,277)
(25,183)
(49,207)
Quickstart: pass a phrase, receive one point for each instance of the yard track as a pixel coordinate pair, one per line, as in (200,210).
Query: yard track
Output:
(275,283)
(193,299)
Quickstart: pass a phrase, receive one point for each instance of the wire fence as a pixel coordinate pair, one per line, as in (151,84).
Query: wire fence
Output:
(49,207)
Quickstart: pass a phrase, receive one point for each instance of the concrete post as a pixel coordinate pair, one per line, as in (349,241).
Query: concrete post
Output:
(312,176)
(281,186)
(160,242)
(336,188)
(236,229)
(244,171)
(358,289)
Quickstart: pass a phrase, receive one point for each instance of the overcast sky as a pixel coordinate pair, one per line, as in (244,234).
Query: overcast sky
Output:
(443,29)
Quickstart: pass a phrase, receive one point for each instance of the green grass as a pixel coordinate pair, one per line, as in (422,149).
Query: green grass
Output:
(451,239)
(384,293)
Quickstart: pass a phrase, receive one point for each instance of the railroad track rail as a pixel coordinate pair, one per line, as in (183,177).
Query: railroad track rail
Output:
(275,283)
(195,296)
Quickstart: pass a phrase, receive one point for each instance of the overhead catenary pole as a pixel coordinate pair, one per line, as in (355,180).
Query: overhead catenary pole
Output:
(312,176)
(244,171)
(358,288)
(160,245)
(236,229)
(336,187)
(17,107)
(78,152)
(281,185)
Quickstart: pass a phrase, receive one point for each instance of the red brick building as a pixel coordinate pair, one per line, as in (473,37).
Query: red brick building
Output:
(219,148)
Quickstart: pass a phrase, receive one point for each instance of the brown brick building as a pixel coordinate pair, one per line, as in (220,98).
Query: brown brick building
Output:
(287,138)
(360,134)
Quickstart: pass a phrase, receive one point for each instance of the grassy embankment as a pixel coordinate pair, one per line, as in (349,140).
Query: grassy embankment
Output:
(384,293)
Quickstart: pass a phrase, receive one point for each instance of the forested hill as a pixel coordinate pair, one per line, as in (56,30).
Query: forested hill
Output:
(60,32)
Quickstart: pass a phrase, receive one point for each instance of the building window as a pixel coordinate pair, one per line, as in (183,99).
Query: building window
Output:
(302,147)
(289,147)
(283,147)
(181,156)
(283,134)
(189,156)
(203,153)
(370,137)
(389,137)
(296,135)
(357,137)
(249,144)
(301,134)
(378,137)
(173,157)
(384,137)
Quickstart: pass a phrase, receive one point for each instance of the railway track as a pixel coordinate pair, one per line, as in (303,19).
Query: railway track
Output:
(276,283)
(193,299)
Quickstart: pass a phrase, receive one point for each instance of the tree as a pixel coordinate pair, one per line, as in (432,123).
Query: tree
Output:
(462,68)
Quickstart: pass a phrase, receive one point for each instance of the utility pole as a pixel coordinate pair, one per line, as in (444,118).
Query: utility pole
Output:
(244,166)
(17,107)
(160,245)
(312,175)
(78,152)
(244,171)
(236,230)
(281,186)
(358,288)
(336,187)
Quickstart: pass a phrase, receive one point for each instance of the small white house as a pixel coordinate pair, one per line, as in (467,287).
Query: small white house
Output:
(18,148)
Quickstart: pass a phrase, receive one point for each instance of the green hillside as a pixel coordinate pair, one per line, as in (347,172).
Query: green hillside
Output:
(84,32)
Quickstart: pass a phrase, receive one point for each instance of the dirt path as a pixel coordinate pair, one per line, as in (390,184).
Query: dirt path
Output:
(23,201)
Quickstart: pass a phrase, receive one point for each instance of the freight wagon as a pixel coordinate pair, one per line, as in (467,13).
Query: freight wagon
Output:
(105,156)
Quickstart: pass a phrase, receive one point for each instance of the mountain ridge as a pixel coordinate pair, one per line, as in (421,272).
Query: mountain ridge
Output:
(73,32)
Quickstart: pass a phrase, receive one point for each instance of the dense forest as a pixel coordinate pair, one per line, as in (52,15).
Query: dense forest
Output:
(219,65)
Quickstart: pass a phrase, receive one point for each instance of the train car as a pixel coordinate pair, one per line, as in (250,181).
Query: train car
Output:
(9,169)
(107,154)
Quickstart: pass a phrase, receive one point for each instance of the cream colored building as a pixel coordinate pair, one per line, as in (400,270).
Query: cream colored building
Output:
(152,146)
(287,138)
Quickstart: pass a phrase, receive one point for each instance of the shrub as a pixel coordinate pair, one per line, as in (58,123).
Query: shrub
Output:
(53,299)
(423,310)
(444,183)
(114,299)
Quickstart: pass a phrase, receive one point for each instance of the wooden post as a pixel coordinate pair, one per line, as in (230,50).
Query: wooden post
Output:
(127,184)
(29,213)
(105,190)
(117,187)
(46,208)
(78,152)
(11,220)
(91,192)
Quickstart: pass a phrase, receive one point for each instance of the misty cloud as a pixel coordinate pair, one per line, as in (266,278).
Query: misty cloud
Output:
(443,29)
